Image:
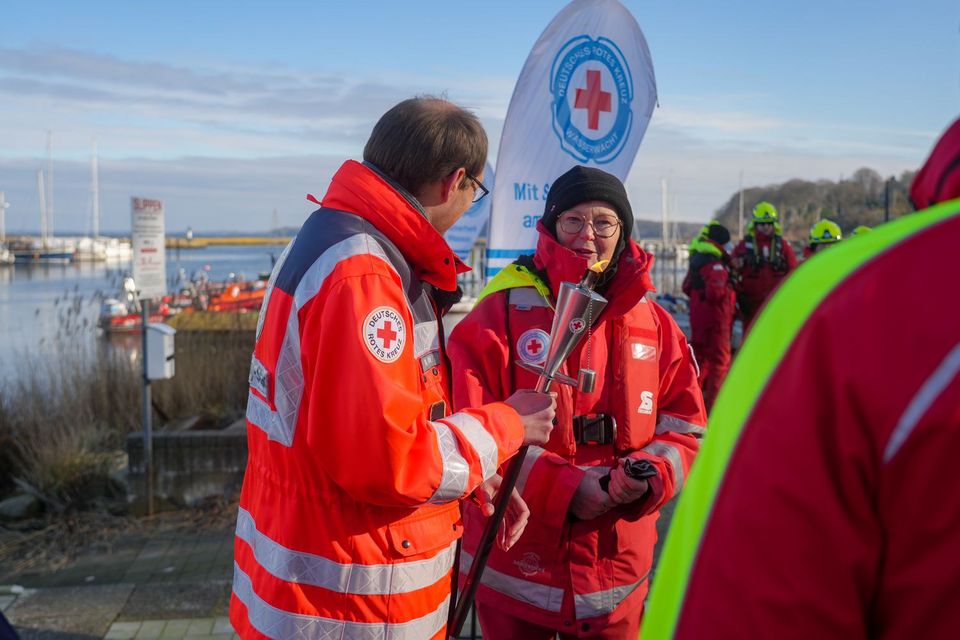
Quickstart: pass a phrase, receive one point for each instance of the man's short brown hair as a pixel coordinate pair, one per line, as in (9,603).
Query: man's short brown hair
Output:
(425,139)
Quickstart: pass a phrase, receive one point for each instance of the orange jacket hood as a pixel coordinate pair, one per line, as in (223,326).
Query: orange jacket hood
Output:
(360,190)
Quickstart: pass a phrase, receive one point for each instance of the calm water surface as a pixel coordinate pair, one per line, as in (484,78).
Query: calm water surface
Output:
(35,299)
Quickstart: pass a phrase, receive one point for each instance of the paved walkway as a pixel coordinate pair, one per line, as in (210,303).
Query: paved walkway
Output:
(169,585)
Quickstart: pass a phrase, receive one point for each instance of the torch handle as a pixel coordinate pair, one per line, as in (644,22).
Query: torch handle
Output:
(489,535)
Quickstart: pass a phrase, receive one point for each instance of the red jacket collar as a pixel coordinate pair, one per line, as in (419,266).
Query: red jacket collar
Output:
(630,283)
(360,190)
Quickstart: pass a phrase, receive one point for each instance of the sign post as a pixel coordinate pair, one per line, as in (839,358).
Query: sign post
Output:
(149,274)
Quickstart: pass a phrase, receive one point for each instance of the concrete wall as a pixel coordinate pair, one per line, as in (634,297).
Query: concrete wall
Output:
(188,467)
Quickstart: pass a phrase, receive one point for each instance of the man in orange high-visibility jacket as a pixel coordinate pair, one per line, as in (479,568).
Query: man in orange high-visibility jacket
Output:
(825,501)
(349,513)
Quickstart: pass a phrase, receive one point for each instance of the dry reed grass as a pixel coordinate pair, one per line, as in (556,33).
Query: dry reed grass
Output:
(64,419)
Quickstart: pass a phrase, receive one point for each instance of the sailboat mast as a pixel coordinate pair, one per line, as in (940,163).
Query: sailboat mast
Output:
(3,222)
(41,194)
(49,208)
(95,189)
(665,232)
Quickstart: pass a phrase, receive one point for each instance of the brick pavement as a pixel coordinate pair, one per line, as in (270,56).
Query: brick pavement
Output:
(172,584)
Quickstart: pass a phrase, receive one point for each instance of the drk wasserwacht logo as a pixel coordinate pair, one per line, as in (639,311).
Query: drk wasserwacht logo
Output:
(592,98)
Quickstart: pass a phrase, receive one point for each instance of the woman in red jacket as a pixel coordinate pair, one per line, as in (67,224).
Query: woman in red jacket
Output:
(582,565)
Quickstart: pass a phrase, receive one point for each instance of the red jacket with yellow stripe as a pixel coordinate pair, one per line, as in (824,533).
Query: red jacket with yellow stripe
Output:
(824,503)
(349,511)
(646,381)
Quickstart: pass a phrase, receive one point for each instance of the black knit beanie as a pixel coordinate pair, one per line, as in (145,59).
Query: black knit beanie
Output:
(718,233)
(583,184)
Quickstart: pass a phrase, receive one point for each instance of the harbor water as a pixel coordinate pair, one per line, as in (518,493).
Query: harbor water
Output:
(37,302)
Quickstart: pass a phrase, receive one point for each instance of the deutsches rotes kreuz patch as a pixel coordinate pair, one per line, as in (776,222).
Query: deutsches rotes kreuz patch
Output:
(384,333)
(532,346)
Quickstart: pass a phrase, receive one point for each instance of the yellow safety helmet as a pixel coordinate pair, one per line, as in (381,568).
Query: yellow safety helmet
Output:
(825,232)
(862,229)
(764,212)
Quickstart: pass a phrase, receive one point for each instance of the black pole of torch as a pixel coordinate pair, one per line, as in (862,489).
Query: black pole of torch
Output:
(486,542)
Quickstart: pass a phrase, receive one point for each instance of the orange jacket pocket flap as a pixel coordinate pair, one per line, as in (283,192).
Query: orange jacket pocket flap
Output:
(422,533)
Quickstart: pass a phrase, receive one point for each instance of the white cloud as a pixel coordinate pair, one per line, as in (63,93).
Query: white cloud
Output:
(225,146)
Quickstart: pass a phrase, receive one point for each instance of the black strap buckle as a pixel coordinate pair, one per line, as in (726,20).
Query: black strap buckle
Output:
(594,428)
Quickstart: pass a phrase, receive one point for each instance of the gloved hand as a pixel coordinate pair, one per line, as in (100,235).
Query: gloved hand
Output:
(623,489)
(589,500)
(537,411)
(514,518)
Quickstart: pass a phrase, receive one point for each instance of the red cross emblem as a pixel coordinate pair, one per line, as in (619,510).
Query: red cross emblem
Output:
(577,325)
(387,334)
(532,345)
(384,334)
(594,99)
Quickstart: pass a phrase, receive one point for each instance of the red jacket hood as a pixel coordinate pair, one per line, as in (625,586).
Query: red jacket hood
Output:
(939,178)
(360,190)
(630,283)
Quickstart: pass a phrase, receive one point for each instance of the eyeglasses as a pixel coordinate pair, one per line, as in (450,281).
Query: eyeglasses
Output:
(480,191)
(603,227)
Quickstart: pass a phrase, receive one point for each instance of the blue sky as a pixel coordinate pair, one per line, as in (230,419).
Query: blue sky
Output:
(229,110)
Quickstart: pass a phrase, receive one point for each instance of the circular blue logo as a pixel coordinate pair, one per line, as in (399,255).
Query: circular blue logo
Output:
(532,346)
(592,98)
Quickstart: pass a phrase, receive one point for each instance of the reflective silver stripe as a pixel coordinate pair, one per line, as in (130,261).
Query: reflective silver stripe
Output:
(355,245)
(602,603)
(260,415)
(273,278)
(289,378)
(672,454)
(693,357)
(527,297)
(363,579)
(533,453)
(281,425)
(456,471)
(674,424)
(479,438)
(426,338)
(601,469)
(538,595)
(277,623)
(921,402)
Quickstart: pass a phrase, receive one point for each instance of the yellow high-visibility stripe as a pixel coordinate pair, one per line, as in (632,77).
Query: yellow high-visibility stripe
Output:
(768,344)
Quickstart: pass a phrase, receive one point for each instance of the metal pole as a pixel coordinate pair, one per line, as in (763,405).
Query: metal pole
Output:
(147,416)
(490,532)
(740,217)
(886,200)
(3,211)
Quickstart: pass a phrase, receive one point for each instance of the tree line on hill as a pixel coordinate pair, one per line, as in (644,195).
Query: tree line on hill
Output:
(866,198)
(862,199)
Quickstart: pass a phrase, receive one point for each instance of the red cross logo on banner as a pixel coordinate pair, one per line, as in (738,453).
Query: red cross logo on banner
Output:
(593,99)
(384,333)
